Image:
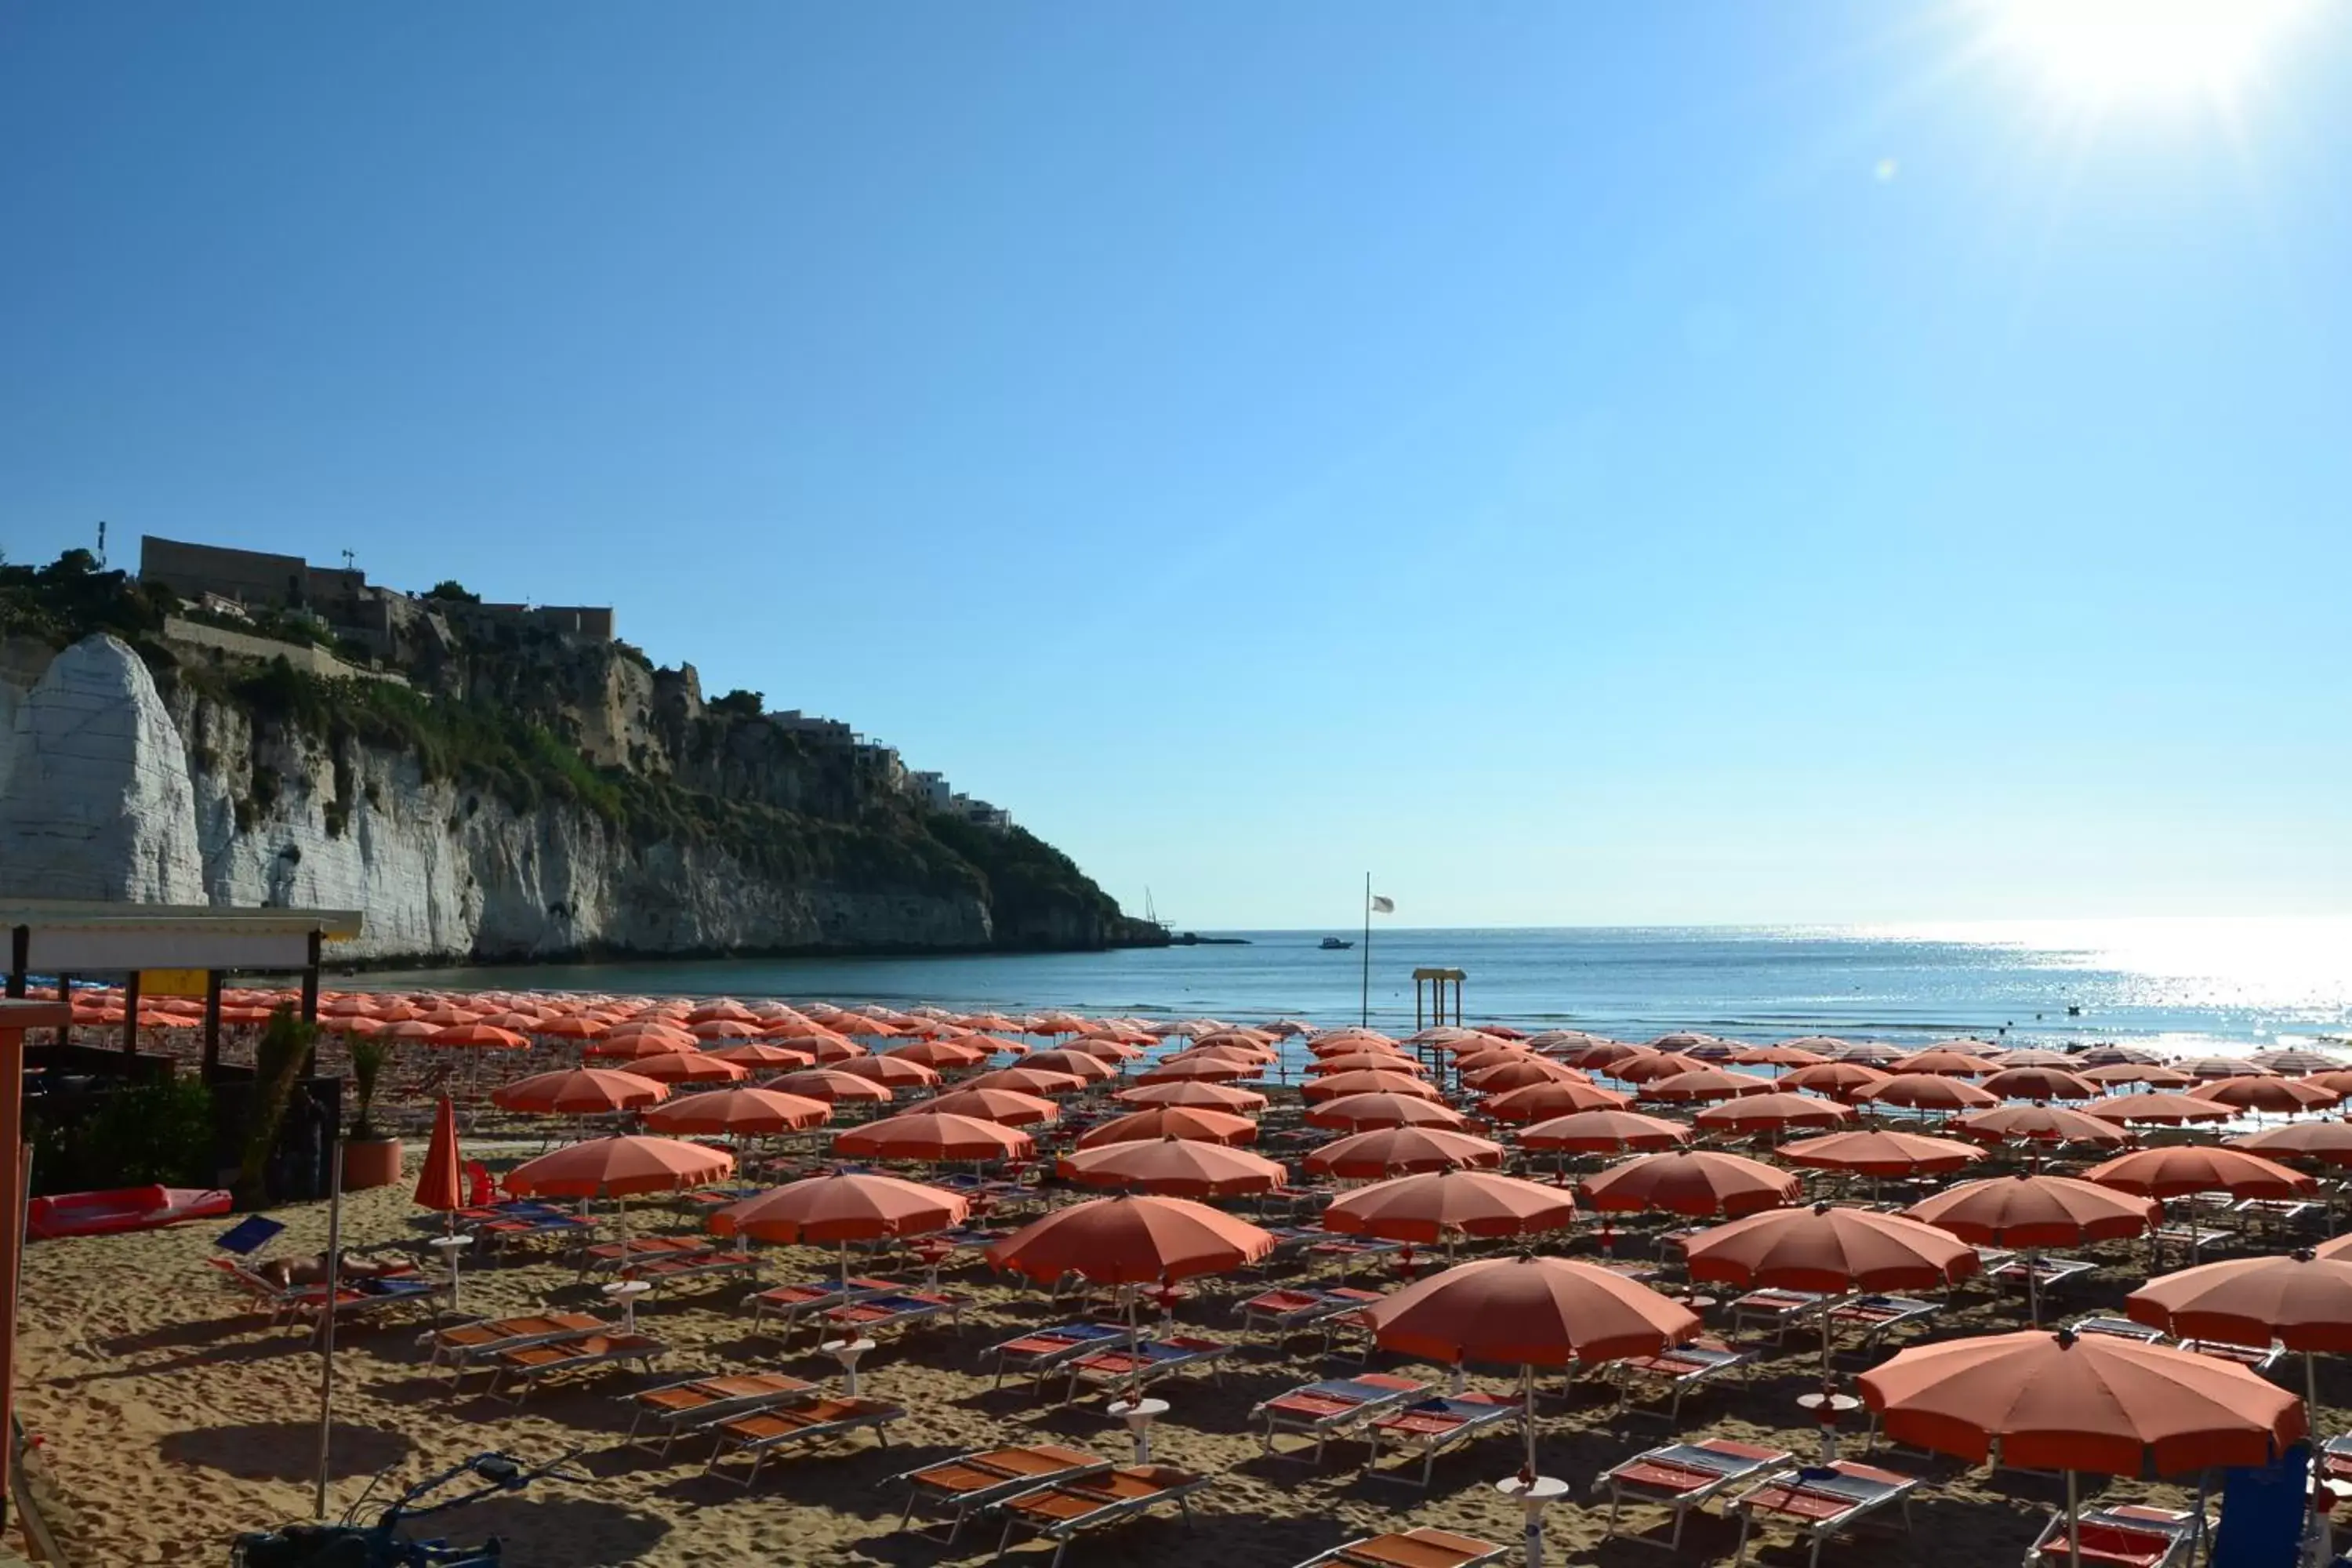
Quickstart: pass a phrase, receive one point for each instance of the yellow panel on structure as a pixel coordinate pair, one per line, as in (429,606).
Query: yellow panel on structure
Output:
(172,982)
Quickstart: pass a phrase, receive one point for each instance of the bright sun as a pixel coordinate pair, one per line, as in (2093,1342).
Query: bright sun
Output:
(2106,49)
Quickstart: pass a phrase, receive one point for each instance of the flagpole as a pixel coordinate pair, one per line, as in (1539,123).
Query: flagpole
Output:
(1365,1017)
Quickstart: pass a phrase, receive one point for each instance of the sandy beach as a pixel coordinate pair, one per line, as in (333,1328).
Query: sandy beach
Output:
(170,1417)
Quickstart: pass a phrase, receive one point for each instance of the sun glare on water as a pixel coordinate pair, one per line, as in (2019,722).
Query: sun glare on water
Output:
(2100,51)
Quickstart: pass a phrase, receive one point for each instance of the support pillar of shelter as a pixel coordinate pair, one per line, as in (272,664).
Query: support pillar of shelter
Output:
(1436,980)
(15,1017)
(131,1013)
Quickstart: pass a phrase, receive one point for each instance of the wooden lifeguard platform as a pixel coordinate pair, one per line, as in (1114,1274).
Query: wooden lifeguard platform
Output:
(1437,980)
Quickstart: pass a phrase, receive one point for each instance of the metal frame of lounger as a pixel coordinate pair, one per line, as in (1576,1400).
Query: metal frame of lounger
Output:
(2117,1328)
(1779,1310)
(1187,1352)
(603,1256)
(1093,1338)
(1363,1397)
(826,1294)
(927,1485)
(461,1355)
(678,1271)
(352,1301)
(1109,1506)
(1422,1548)
(924,1307)
(623,1346)
(1316,1308)
(2254,1358)
(853,1415)
(1473,1416)
(1682,1368)
(2176,1527)
(1846,1487)
(2051,1273)
(2335,1457)
(1724,1469)
(1879,1316)
(1350,1250)
(676,1421)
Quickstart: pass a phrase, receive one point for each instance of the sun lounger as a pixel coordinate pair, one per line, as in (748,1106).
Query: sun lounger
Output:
(556,1357)
(1879,1316)
(1778,1310)
(2127,1537)
(1422,1547)
(879,1314)
(515,1229)
(1045,1349)
(967,1483)
(471,1341)
(2049,1273)
(794,1302)
(1125,1370)
(2117,1328)
(1351,1252)
(698,1401)
(682,1267)
(1065,1509)
(1287,1311)
(764,1432)
(2254,1358)
(1290,1239)
(1822,1500)
(1322,1410)
(1432,1426)
(1684,1476)
(608,1255)
(2336,1458)
(1685,1368)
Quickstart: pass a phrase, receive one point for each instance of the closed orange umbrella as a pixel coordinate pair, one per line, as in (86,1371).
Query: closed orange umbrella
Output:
(1397,1151)
(689,1066)
(2283,1095)
(738,1112)
(999,1105)
(1544,1101)
(1696,1182)
(1603,1132)
(1358,1112)
(441,1184)
(1175,1167)
(2040,1083)
(582,1091)
(933,1138)
(1927,1091)
(2167,1110)
(1771,1113)
(1441,1204)
(2170,1173)
(2038,1124)
(893,1071)
(1131,1241)
(1531,1311)
(1200,1096)
(1198,1122)
(831,1085)
(1880,1154)
(620,1167)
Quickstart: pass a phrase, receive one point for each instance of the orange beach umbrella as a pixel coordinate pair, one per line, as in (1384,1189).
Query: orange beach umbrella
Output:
(1175,1167)
(934,1138)
(440,1185)
(738,1112)
(1198,1122)
(1699,1182)
(579,1092)
(2179,1168)
(1440,1205)
(1131,1241)
(998,1105)
(1398,1151)
(1603,1132)
(1358,1112)
(620,1167)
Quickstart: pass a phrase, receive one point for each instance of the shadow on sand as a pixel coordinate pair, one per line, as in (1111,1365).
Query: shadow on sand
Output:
(285,1450)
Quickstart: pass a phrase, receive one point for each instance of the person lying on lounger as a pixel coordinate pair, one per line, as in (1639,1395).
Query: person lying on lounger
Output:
(312,1270)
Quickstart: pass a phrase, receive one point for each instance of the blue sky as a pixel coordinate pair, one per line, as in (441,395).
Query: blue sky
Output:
(1691,462)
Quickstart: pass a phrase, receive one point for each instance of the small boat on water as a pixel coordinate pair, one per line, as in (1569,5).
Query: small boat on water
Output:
(1336,944)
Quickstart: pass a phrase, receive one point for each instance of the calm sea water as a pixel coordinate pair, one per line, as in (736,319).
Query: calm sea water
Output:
(2223,985)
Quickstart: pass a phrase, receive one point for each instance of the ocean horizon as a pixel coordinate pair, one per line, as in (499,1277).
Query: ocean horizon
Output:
(2232,985)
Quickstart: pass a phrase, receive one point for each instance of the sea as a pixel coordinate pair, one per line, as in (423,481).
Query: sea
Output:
(2179,987)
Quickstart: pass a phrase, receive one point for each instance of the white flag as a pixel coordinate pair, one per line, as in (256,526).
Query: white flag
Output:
(1383,905)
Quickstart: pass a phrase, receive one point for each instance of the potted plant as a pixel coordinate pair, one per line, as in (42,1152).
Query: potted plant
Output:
(370,1156)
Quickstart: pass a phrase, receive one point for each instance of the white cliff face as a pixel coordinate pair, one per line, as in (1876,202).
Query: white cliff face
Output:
(108,794)
(95,798)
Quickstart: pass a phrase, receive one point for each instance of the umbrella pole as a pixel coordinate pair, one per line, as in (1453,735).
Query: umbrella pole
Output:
(1528,1419)
(2033,1284)
(2074,1525)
